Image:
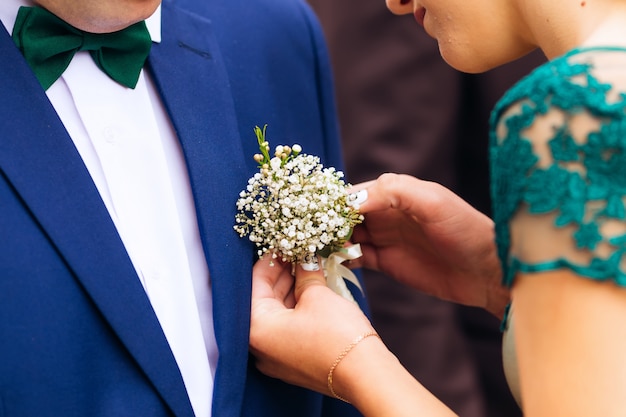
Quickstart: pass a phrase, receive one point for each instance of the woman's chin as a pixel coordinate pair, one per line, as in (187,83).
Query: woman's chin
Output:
(465,63)
(472,63)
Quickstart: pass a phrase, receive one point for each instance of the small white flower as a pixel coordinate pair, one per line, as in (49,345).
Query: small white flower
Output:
(275,163)
(294,206)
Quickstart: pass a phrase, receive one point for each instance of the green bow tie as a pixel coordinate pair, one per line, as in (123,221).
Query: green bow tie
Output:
(49,44)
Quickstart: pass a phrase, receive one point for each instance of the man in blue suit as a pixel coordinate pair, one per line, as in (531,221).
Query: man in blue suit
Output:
(124,290)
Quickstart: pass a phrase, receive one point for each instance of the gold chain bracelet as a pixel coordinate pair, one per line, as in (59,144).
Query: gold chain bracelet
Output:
(343,355)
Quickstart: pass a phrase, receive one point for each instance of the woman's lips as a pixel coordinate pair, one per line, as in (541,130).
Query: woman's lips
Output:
(419,15)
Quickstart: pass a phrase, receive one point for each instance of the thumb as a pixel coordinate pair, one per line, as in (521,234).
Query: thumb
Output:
(308,276)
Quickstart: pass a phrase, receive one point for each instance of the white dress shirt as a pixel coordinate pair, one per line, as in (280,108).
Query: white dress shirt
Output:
(127,142)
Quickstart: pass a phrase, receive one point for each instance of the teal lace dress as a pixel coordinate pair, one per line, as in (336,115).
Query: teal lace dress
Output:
(558,166)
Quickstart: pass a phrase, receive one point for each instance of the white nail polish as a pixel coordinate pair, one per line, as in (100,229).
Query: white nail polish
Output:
(310,263)
(311,267)
(358,198)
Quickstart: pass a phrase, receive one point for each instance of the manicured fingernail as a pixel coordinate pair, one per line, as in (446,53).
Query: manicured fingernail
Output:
(310,263)
(358,198)
(311,267)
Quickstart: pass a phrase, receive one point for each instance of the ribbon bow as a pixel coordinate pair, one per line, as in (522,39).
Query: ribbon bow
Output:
(49,44)
(336,273)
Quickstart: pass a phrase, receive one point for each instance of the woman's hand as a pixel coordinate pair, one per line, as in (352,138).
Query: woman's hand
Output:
(299,326)
(425,236)
(298,335)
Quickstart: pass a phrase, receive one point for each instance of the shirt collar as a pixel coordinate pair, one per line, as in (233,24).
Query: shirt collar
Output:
(8,13)
(154,25)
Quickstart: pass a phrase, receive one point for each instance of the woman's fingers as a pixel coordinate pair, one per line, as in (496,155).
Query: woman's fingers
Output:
(307,276)
(423,200)
(388,191)
(272,284)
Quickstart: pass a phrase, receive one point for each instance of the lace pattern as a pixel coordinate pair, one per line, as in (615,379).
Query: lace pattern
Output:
(558,166)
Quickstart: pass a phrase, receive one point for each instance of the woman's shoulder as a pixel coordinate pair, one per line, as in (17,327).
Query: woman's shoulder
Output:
(558,156)
(592,78)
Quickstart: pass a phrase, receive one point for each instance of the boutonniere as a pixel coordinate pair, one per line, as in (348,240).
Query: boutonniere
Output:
(299,211)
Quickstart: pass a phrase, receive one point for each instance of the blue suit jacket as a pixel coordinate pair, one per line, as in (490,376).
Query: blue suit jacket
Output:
(78,336)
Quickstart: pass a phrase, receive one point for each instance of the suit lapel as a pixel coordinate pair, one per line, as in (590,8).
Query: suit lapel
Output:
(39,159)
(189,72)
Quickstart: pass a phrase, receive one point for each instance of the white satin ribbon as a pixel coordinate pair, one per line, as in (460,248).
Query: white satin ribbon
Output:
(336,273)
